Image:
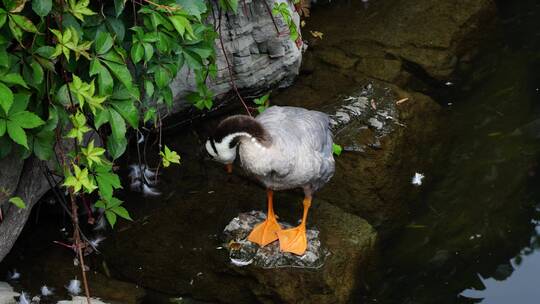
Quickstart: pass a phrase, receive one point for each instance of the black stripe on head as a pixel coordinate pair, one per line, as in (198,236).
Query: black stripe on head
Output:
(240,123)
(213,144)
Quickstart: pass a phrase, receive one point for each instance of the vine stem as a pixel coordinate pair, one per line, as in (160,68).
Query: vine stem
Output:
(271,17)
(77,237)
(74,214)
(229,67)
(75,220)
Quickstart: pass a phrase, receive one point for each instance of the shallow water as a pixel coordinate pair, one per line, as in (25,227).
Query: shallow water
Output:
(474,237)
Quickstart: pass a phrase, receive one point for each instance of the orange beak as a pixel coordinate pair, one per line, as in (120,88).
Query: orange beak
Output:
(228,167)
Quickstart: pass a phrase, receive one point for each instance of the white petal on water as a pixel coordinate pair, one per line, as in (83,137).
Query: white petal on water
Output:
(74,287)
(148,191)
(101,224)
(417,179)
(46,291)
(23,299)
(95,242)
(14,275)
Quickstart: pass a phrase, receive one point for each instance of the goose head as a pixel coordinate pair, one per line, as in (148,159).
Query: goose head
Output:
(222,145)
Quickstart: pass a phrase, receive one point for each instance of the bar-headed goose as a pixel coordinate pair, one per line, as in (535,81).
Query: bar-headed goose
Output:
(284,148)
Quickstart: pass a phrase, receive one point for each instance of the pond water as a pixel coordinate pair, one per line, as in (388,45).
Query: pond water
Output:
(476,240)
(474,237)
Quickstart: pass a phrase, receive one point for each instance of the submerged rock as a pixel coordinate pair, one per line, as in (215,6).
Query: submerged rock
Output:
(383,130)
(7,295)
(81,300)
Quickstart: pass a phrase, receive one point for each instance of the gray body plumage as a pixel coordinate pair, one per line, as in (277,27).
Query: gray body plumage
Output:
(298,154)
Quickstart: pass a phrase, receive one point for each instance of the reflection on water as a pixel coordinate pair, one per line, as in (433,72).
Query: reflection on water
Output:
(521,282)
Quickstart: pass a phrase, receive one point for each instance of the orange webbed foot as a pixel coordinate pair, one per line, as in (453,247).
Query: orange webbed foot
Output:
(265,232)
(293,240)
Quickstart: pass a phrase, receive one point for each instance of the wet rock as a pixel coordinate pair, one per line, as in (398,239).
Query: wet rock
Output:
(7,295)
(327,273)
(81,300)
(260,58)
(335,57)
(243,252)
(381,140)
(392,38)
(380,68)
(21,178)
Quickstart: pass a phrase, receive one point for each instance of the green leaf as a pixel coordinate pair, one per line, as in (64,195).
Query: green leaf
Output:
(79,180)
(149,88)
(122,212)
(137,52)
(3,17)
(62,96)
(111,217)
(121,72)
(107,182)
(20,103)
(162,77)
(17,134)
(2,127)
(79,9)
(5,146)
(14,6)
(4,60)
(105,80)
(78,120)
(231,5)
(104,42)
(92,154)
(193,7)
(181,24)
(117,27)
(26,120)
(45,52)
(116,147)
(128,110)
(17,201)
(150,114)
(6,97)
(337,149)
(119,6)
(43,144)
(42,7)
(148,51)
(35,75)
(24,23)
(101,117)
(168,157)
(15,30)
(14,78)
(100,204)
(118,125)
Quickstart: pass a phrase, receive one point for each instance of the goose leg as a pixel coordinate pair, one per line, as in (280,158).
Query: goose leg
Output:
(266,232)
(294,240)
